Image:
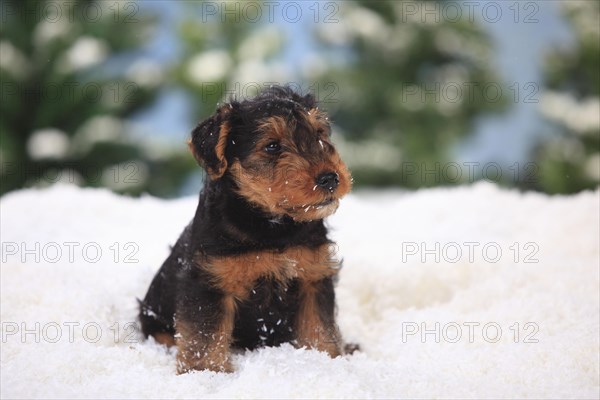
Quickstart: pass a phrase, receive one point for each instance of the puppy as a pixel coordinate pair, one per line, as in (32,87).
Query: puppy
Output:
(254,267)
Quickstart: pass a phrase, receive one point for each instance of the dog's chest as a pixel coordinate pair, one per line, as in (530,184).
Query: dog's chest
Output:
(237,274)
(267,316)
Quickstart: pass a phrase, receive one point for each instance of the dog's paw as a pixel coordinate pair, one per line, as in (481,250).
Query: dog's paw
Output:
(184,369)
(350,348)
(189,364)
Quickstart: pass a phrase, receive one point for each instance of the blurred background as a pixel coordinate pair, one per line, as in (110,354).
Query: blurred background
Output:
(421,93)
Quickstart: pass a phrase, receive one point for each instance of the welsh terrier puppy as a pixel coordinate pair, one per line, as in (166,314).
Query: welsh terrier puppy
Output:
(254,267)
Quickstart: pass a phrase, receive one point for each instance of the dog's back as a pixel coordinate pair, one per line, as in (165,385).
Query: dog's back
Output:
(157,310)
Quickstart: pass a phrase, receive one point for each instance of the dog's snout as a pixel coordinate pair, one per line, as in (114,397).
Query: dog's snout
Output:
(328,181)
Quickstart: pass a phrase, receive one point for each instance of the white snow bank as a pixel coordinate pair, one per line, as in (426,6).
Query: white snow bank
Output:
(65,315)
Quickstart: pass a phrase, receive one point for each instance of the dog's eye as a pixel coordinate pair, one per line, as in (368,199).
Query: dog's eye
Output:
(273,147)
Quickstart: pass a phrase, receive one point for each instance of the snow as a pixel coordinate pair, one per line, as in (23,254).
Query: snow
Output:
(392,290)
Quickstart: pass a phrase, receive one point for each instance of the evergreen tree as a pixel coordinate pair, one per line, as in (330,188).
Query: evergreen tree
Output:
(69,82)
(230,50)
(570,160)
(403,86)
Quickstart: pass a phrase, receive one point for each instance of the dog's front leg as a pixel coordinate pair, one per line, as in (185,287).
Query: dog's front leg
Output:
(315,323)
(204,327)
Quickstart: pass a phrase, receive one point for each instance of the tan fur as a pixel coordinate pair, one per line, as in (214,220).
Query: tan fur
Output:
(318,119)
(198,351)
(220,150)
(164,338)
(274,127)
(236,275)
(290,187)
(310,330)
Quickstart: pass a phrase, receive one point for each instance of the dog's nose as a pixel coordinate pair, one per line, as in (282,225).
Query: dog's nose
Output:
(328,181)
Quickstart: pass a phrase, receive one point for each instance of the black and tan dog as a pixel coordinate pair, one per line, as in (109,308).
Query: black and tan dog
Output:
(255,266)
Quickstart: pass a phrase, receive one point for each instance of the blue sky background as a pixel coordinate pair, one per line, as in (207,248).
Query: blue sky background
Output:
(518,54)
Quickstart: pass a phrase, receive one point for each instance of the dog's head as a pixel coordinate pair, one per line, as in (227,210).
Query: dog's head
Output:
(277,150)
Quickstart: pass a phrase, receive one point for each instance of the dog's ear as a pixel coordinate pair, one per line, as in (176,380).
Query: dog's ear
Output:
(209,140)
